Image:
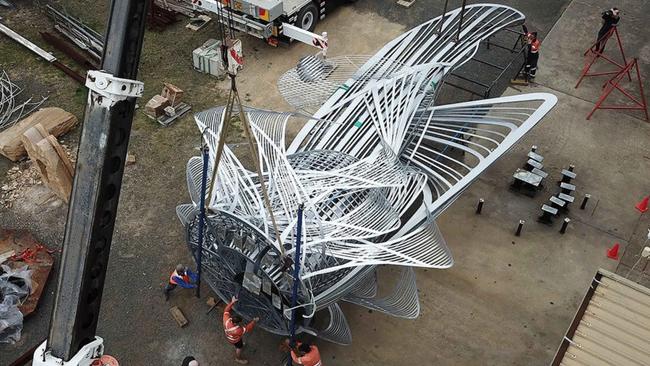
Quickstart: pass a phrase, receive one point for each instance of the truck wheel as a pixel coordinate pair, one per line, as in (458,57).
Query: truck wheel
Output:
(308,17)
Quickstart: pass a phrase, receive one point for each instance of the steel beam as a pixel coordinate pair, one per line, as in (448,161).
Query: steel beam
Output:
(96,190)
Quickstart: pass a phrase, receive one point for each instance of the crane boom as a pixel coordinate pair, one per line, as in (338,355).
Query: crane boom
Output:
(96,191)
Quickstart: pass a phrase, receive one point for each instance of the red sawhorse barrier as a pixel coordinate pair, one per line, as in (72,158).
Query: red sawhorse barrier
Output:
(614,83)
(596,52)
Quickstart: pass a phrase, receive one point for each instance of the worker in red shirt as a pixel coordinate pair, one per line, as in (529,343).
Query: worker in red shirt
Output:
(232,326)
(183,277)
(533,54)
(306,354)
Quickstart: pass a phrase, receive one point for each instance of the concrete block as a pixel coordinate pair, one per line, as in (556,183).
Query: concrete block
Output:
(155,107)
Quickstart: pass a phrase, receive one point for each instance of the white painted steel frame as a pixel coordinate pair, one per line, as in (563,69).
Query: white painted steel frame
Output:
(374,167)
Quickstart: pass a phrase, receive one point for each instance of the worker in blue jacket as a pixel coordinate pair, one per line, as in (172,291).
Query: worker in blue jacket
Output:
(183,277)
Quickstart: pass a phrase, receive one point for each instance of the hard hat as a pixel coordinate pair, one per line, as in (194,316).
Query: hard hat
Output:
(180,268)
(105,360)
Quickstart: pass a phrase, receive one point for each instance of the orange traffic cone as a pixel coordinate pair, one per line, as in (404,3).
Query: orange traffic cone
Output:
(643,205)
(613,251)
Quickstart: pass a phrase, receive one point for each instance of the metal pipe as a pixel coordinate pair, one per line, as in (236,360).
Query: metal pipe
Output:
(506,69)
(470,80)
(488,63)
(463,88)
(519,40)
(442,19)
(565,224)
(296,279)
(76,23)
(505,29)
(64,47)
(479,207)
(519,227)
(498,45)
(96,190)
(27,43)
(204,185)
(460,20)
(68,71)
(75,30)
(584,201)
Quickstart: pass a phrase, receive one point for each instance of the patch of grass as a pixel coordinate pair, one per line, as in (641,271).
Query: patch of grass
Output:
(81,95)
(166,57)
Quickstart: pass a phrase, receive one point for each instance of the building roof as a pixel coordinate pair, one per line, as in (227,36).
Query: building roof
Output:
(611,327)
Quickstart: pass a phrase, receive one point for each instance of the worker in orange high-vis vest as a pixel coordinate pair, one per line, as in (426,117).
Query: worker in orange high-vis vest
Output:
(306,354)
(232,326)
(183,277)
(533,54)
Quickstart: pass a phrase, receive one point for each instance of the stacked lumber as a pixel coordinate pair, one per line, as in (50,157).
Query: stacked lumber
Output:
(50,158)
(158,18)
(184,7)
(55,121)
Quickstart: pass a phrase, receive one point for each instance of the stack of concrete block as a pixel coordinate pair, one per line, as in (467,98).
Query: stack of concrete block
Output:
(155,107)
(167,106)
(172,93)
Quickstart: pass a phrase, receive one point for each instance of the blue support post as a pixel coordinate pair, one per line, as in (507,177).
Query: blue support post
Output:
(296,280)
(204,183)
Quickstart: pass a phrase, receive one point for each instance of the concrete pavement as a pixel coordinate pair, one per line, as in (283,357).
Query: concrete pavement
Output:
(561,58)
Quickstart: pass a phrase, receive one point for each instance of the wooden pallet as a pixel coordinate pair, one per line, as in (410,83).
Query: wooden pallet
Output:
(406,3)
(179,316)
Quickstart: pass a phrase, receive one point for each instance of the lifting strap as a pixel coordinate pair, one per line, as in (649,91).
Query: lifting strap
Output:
(233,97)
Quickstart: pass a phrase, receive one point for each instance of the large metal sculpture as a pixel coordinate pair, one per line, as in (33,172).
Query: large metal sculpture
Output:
(373,168)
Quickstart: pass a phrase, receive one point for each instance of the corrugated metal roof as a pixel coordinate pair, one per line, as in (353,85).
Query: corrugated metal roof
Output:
(611,327)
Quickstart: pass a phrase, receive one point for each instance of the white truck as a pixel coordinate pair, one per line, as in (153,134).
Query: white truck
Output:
(265,18)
